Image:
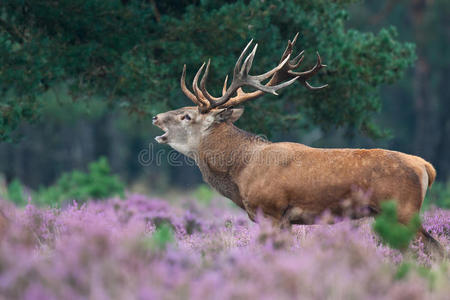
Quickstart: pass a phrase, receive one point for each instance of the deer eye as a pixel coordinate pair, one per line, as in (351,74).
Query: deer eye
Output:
(186,116)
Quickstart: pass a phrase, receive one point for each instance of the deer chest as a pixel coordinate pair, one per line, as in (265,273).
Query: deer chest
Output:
(222,183)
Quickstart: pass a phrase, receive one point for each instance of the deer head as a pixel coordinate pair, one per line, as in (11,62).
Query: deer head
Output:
(185,127)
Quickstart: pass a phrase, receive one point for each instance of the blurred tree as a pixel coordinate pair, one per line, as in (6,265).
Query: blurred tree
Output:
(130,55)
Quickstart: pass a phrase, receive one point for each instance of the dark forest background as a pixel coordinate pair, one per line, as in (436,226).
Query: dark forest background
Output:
(82,79)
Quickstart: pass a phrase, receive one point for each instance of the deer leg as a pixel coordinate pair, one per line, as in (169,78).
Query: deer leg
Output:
(298,216)
(431,243)
(280,223)
(256,209)
(284,223)
(277,222)
(405,213)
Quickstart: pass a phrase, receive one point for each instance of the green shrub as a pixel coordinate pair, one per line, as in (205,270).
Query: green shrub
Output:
(97,183)
(403,270)
(391,232)
(15,193)
(204,194)
(159,240)
(434,276)
(163,236)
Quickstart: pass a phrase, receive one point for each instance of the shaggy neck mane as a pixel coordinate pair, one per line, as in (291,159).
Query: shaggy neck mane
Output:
(226,148)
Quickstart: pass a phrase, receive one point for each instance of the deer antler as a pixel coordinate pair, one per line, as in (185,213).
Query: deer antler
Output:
(280,76)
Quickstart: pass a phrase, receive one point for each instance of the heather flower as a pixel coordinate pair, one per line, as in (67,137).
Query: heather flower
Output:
(109,250)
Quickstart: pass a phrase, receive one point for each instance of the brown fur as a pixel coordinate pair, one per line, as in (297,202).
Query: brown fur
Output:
(431,173)
(299,182)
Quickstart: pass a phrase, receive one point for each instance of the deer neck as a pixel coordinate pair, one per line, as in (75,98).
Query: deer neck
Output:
(222,156)
(225,150)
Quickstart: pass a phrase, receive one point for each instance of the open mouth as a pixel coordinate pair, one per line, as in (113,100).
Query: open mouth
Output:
(162,139)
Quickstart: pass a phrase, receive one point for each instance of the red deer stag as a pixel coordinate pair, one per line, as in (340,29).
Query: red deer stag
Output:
(290,183)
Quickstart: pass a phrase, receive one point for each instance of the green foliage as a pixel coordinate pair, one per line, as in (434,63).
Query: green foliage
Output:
(204,194)
(15,193)
(130,55)
(391,232)
(162,237)
(438,195)
(97,183)
(403,270)
(436,277)
(433,276)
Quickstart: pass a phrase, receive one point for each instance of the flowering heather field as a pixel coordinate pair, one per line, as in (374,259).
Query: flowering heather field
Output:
(119,249)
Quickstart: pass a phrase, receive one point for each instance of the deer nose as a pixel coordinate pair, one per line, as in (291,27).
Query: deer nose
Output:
(154,119)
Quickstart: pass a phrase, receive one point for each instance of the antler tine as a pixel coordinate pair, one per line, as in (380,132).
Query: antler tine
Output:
(238,62)
(203,83)
(274,88)
(214,102)
(308,74)
(313,88)
(185,90)
(304,76)
(239,74)
(249,61)
(287,51)
(293,64)
(200,97)
(289,47)
(295,38)
(273,71)
(224,89)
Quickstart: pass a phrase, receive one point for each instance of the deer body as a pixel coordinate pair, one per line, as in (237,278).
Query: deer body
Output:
(293,183)
(290,183)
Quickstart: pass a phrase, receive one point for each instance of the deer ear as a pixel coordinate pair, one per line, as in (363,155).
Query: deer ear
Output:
(229,115)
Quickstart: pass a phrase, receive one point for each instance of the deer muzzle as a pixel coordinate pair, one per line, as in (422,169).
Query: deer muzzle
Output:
(161,139)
